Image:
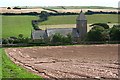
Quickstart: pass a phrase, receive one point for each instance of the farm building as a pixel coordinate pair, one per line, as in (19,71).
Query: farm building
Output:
(77,33)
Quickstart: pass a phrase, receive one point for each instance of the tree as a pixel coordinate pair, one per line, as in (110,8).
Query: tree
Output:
(104,25)
(115,33)
(57,38)
(20,36)
(43,16)
(96,34)
(8,7)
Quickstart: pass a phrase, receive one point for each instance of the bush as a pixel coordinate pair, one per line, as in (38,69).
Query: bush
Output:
(43,16)
(95,34)
(60,39)
(57,38)
(115,33)
(8,7)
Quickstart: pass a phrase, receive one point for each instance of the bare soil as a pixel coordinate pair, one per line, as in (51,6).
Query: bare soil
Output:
(83,61)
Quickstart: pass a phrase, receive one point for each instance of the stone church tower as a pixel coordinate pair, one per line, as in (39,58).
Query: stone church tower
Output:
(81,25)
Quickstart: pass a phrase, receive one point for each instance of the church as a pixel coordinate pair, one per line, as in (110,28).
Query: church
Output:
(77,33)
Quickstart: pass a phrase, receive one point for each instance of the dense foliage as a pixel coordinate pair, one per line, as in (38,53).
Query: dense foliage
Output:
(104,25)
(115,33)
(99,33)
(43,16)
(58,38)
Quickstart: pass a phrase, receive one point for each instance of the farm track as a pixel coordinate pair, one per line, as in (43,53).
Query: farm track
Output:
(69,61)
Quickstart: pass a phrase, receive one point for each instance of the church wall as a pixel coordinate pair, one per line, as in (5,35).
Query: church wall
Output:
(81,25)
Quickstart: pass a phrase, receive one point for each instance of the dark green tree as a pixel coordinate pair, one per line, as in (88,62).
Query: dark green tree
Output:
(57,38)
(43,16)
(104,25)
(115,33)
(96,34)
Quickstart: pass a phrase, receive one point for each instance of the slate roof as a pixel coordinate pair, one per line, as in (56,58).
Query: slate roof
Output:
(38,34)
(41,34)
(62,31)
(81,16)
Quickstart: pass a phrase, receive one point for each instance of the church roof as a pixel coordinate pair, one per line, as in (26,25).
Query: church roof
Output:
(62,31)
(38,34)
(81,16)
(41,34)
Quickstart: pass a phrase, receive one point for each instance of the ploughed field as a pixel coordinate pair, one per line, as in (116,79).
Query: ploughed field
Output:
(83,61)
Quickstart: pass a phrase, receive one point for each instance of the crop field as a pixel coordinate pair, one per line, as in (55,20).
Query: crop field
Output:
(79,61)
(15,25)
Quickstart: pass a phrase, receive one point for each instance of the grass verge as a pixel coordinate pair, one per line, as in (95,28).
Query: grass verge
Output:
(11,70)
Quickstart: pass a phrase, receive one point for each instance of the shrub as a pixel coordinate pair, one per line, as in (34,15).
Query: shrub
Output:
(43,16)
(8,7)
(96,34)
(58,38)
(115,33)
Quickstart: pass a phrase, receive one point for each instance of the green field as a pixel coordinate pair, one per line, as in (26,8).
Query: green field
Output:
(71,19)
(11,70)
(15,25)
(0,63)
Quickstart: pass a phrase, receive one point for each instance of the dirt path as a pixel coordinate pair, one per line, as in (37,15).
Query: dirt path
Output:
(55,62)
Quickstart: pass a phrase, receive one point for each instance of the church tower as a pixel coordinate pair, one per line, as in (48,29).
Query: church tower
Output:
(81,25)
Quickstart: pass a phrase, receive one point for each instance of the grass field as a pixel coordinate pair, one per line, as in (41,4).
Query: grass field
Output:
(11,70)
(0,63)
(71,19)
(15,25)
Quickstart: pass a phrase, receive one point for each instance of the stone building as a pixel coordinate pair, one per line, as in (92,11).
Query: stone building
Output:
(77,33)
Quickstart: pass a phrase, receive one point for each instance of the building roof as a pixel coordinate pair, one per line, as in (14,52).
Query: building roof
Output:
(81,16)
(62,31)
(38,34)
(41,34)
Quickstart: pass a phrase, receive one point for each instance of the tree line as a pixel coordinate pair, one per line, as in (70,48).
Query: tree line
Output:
(102,32)
(89,12)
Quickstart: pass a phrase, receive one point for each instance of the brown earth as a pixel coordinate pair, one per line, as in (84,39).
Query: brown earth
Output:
(83,61)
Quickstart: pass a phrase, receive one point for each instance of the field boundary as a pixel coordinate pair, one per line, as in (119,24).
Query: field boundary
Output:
(60,44)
